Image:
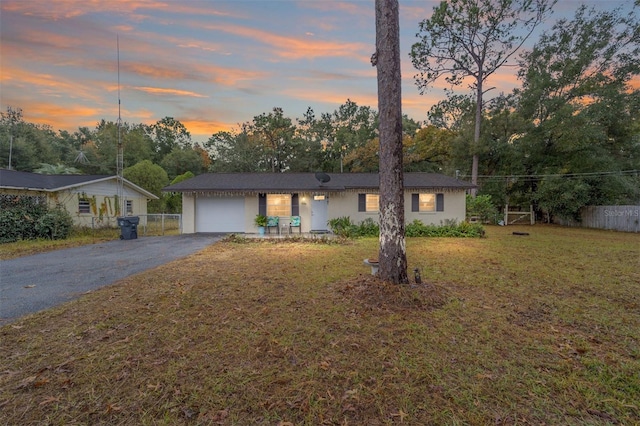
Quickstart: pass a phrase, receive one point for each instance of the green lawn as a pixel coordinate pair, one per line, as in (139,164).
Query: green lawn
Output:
(537,329)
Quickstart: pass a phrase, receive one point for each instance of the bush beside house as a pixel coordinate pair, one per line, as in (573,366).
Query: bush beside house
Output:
(29,218)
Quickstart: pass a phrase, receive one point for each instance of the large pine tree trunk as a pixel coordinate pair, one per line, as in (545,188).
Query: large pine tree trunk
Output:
(476,135)
(392,256)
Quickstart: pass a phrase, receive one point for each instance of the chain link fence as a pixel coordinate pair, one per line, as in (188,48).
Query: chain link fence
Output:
(149,225)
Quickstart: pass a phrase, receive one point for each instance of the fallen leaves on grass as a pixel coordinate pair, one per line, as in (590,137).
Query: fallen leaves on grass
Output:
(290,332)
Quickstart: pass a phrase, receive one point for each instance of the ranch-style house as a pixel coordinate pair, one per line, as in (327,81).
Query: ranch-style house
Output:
(229,202)
(90,199)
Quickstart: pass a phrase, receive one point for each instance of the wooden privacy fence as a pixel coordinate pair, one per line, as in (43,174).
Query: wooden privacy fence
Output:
(618,218)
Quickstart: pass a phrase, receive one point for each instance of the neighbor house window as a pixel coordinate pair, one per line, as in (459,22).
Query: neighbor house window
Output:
(427,202)
(278,204)
(369,203)
(129,206)
(84,206)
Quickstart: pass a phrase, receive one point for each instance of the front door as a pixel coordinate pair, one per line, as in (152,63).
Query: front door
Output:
(319,213)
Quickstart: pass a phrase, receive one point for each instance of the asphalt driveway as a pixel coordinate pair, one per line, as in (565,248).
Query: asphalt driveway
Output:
(33,283)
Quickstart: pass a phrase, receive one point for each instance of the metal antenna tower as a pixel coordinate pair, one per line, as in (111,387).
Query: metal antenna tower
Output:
(120,159)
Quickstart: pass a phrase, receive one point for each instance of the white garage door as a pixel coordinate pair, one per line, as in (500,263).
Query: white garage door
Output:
(216,214)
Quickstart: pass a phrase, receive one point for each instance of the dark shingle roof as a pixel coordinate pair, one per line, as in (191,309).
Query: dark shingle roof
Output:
(288,182)
(17,179)
(13,179)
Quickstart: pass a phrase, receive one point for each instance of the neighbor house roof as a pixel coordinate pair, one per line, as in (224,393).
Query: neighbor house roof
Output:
(290,182)
(13,179)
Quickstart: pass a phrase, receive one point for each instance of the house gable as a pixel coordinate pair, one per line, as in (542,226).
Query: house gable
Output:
(34,182)
(75,192)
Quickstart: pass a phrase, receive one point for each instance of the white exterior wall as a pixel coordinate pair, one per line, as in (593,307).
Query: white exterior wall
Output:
(346,204)
(305,212)
(105,210)
(188,214)
(339,204)
(454,209)
(251,210)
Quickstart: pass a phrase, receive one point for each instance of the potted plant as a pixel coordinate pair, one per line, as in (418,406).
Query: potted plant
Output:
(261,222)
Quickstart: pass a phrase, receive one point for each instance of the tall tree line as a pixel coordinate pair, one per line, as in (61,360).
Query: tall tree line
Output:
(567,137)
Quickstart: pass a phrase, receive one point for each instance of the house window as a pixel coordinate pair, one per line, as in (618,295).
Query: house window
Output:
(129,206)
(427,202)
(278,204)
(84,206)
(369,203)
(373,202)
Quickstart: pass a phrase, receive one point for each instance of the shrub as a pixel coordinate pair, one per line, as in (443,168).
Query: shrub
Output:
(342,226)
(9,226)
(367,228)
(55,224)
(29,218)
(482,208)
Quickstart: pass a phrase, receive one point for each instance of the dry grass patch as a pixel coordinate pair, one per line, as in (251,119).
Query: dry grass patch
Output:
(541,329)
(79,237)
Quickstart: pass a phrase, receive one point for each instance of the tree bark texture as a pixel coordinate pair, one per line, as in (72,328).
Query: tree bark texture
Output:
(392,254)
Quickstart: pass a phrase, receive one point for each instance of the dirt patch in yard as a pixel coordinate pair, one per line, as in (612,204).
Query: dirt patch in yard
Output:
(373,293)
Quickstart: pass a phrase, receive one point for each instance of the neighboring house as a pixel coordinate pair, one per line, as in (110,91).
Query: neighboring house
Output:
(91,200)
(229,202)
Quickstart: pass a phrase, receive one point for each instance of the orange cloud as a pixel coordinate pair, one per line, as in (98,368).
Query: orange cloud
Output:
(49,85)
(331,97)
(292,47)
(192,72)
(61,9)
(147,70)
(203,129)
(173,92)
(68,118)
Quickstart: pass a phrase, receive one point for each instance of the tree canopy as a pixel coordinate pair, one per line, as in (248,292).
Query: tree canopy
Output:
(151,177)
(567,137)
(581,112)
(469,40)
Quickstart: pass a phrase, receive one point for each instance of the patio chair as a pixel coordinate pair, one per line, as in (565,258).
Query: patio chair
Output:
(295,223)
(273,222)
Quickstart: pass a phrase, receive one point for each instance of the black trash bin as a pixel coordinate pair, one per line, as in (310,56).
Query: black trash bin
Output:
(128,227)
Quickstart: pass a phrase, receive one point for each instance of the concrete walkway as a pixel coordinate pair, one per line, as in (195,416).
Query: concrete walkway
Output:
(33,283)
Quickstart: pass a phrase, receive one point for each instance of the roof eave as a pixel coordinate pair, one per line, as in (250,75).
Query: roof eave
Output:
(26,188)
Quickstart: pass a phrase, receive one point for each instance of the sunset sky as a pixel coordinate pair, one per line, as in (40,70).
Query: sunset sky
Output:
(210,64)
